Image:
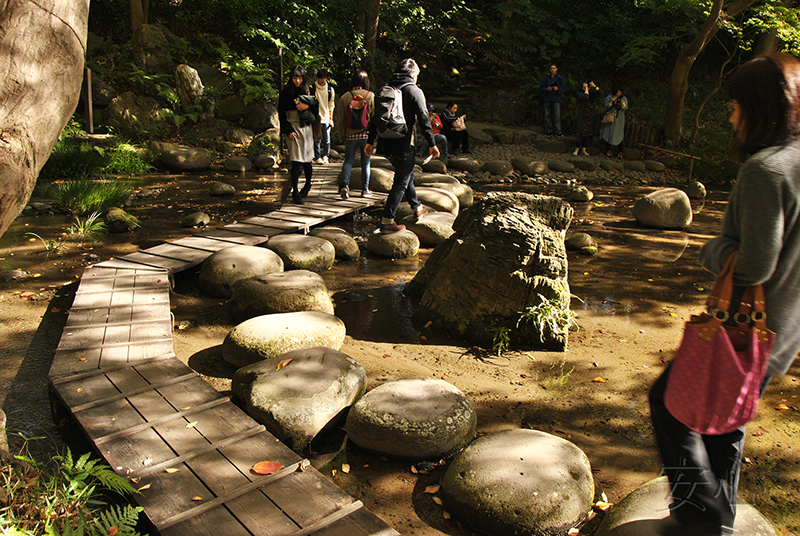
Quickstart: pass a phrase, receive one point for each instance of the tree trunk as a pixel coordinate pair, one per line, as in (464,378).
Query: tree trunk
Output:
(679,81)
(138,13)
(372,10)
(41,70)
(768,41)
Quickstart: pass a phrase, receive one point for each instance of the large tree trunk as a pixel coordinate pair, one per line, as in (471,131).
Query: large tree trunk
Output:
(679,81)
(138,13)
(768,41)
(42,48)
(372,11)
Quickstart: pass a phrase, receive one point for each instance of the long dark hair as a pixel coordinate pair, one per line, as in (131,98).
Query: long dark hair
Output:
(767,90)
(298,70)
(360,79)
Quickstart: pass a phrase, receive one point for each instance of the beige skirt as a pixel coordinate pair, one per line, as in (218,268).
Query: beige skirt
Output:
(301,149)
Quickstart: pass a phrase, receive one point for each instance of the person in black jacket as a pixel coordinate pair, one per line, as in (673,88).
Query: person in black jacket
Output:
(400,152)
(297,111)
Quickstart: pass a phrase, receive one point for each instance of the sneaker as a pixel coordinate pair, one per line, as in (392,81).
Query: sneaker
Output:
(584,153)
(297,198)
(610,154)
(344,192)
(366,193)
(421,211)
(325,160)
(575,152)
(317,161)
(387,228)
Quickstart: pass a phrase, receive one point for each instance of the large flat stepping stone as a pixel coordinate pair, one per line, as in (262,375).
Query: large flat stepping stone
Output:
(464,163)
(499,167)
(654,165)
(344,245)
(283,292)
(612,166)
(268,336)
(424,179)
(401,245)
(221,270)
(434,165)
(183,158)
(380,179)
(646,509)
(561,165)
(635,165)
(415,418)
(463,192)
(432,229)
(237,164)
(583,163)
(301,393)
(438,200)
(527,165)
(302,252)
(669,208)
(519,482)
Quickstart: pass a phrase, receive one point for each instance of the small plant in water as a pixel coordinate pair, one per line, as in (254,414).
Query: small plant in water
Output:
(501,338)
(51,245)
(86,230)
(549,315)
(65,496)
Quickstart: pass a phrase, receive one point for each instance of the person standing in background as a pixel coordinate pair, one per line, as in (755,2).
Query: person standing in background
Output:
(297,111)
(552,86)
(585,117)
(613,132)
(354,115)
(325,97)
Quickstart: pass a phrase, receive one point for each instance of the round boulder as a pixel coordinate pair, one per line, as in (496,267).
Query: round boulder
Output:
(463,192)
(653,165)
(183,158)
(196,219)
(669,208)
(344,245)
(424,179)
(380,179)
(519,482)
(561,165)
(264,161)
(584,164)
(581,194)
(463,163)
(302,398)
(438,200)
(119,221)
(300,252)
(646,511)
(635,165)
(529,166)
(431,229)
(401,245)
(413,418)
(499,167)
(696,190)
(238,164)
(221,188)
(581,242)
(612,166)
(221,270)
(434,165)
(267,336)
(281,292)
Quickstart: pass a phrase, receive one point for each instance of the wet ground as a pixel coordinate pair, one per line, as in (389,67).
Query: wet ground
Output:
(631,300)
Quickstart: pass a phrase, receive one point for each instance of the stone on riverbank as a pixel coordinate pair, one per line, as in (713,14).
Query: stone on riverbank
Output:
(301,252)
(401,245)
(183,158)
(669,208)
(528,165)
(438,200)
(237,164)
(280,292)
(221,270)
(432,229)
(344,245)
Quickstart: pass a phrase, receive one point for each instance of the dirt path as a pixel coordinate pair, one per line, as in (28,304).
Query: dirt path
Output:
(631,300)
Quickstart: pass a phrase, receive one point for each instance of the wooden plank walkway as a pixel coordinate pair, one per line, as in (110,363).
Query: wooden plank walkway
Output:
(189,449)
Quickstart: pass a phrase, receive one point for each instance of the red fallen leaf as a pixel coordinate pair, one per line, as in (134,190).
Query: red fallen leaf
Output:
(782,407)
(283,363)
(266,468)
(55,310)
(429,324)
(112,531)
(423,337)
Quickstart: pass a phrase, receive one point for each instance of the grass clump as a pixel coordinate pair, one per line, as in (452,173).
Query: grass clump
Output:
(548,316)
(88,229)
(85,195)
(65,496)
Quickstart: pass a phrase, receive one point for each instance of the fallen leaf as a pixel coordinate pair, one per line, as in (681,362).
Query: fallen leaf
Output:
(136,480)
(414,470)
(598,380)
(171,470)
(81,358)
(429,324)
(283,363)
(79,389)
(602,505)
(266,468)
(782,407)
(148,461)
(573,532)
(55,310)
(423,337)
(437,500)
(191,424)
(112,531)
(146,486)
(446,515)
(432,489)
(197,498)
(345,467)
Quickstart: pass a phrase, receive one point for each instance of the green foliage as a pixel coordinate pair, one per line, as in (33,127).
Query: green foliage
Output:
(51,245)
(65,496)
(548,316)
(501,337)
(86,230)
(85,195)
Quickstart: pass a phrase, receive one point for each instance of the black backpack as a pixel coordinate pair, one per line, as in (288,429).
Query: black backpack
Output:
(389,118)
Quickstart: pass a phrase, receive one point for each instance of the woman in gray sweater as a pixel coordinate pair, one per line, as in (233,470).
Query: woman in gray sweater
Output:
(762,221)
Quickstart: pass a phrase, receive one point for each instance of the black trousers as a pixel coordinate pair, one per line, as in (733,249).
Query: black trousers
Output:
(703,470)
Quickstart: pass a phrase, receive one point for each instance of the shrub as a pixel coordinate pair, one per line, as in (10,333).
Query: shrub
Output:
(85,195)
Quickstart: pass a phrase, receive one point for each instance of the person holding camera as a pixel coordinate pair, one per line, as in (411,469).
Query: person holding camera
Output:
(613,131)
(585,117)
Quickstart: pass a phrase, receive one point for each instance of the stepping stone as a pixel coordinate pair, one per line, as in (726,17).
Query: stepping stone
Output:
(264,161)
(306,396)
(464,163)
(416,418)
(518,482)
(424,179)
(432,229)
(267,336)
(401,245)
(696,190)
(644,511)
(653,165)
(438,200)
(223,269)
(669,208)
(583,163)
(612,166)
(561,165)
(529,166)
(196,219)
(238,164)
(380,180)
(554,146)
(499,167)
(183,158)
(301,252)
(463,192)
(635,166)
(435,165)
(582,194)
(221,188)
(344,245)
(282,292)
(581,242)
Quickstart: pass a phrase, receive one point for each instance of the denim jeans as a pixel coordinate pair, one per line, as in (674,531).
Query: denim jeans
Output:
(350,147)
(322,147)
(441,142)
(552,118)
(403,185)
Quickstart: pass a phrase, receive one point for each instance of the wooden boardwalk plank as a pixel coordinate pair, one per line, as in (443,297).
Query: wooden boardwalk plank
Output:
(203,243)
(130,314)
(123,263)
(179,252)
(232,237)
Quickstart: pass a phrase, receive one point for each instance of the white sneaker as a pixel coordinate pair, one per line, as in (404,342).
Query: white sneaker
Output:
(366,193)
(317,161)
(575,152)
(325,160)
(584,153)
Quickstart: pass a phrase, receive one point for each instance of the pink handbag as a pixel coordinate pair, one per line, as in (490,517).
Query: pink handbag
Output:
(715,379)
